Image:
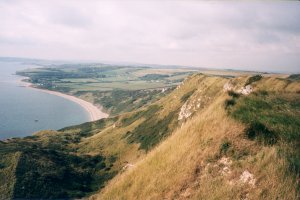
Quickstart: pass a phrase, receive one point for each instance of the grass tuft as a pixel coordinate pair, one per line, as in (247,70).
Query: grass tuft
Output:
(224,147)
(261,133)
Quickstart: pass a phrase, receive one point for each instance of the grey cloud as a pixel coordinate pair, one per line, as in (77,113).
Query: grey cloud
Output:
(206,34)
(70,16)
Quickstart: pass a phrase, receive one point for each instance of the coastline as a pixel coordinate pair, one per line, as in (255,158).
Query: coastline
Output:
(94,112)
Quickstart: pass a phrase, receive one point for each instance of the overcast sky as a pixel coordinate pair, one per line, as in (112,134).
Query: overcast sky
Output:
(254,36)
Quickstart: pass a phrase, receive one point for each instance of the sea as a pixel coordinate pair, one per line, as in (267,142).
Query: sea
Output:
(24,111)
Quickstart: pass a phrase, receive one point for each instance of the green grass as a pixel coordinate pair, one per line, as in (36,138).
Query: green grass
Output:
(49,165)
(44,172)
(272,119)
(93,78)
(119,101)
(89,128)
(224,147)
(152,130)
(150,77)
(8,164)
(187,95)
(294,77)
(231,101)
(150,111)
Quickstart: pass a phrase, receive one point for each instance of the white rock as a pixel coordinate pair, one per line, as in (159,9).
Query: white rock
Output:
(247,177)
(227,87)
(128,166)
(246,90)
(225,161)
(226,171)
(184,111)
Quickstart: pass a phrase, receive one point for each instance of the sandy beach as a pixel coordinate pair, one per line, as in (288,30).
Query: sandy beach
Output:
(94,112)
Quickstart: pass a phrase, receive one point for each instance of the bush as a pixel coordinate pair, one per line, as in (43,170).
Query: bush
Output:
(294,77)
(253,79)
(233,94)
(229,103)
(263,92)
(260,132)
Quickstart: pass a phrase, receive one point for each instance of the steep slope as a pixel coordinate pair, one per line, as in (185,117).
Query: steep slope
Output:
(210,138)
(78,160)
(243,143)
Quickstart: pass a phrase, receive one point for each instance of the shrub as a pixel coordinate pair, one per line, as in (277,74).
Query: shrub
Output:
(263,92)
(233,94)
(229,102)
(253,79)
(260,132)
(294,77)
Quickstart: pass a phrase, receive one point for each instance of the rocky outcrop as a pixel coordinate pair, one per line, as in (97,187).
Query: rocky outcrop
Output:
(246,90)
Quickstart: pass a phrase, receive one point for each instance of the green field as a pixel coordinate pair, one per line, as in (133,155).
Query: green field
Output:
(104,78)
(116,89)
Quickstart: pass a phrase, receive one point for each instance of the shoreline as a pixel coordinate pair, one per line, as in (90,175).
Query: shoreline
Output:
(94,112)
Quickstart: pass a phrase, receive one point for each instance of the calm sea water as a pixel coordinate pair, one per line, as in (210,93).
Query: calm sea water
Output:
(20,107)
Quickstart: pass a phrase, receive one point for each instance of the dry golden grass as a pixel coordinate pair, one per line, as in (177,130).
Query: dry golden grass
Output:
(111,140)
(276,84)
(187,164)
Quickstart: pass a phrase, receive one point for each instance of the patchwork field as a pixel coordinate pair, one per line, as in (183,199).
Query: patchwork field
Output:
(117,89)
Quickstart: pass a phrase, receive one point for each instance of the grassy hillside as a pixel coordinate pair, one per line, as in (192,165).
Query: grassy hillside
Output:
(77,161)
(210,138)
(245,149)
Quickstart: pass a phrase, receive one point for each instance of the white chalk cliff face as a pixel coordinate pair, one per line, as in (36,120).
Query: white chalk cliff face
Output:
(193,104)
(185,111)
(199,99)
(228,87)
(246,90)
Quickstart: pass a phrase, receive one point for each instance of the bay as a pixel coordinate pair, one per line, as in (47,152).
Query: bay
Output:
(24,110)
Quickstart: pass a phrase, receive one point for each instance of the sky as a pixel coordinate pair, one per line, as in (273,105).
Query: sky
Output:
(238,35)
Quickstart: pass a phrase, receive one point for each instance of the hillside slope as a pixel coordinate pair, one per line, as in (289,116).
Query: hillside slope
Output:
(242,144)
(210,138)
(77,161)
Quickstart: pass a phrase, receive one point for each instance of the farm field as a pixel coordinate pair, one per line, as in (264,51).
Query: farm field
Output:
(115,89)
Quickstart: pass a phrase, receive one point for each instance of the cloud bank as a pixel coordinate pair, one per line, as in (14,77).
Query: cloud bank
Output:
(242,35)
